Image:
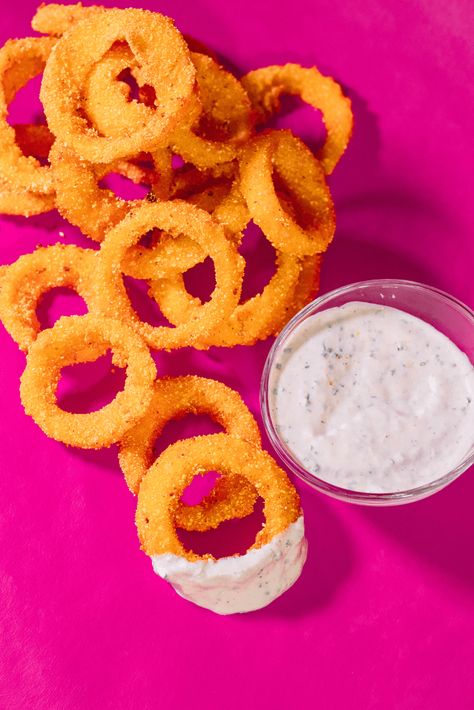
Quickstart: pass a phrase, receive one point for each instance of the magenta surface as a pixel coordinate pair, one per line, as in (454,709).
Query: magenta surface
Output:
(383,615)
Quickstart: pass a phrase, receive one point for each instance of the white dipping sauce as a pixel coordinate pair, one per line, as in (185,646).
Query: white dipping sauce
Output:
(372,399)
(242,583)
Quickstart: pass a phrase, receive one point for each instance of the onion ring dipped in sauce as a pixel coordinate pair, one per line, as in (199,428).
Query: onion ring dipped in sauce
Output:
(228,585)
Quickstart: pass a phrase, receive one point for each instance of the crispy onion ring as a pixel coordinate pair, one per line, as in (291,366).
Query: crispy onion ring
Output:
(32,275)
(165,64)
(266,85)
(34,140)
(54,19)
(226,121)
(173,398)
(23,202)
(279,155)
(107,99)
(76,339)
(165,481)
(20,61)
(221,118)
(218,193)
(294,284)
(258,317)
(251,321)
(175,218)
(77,189)
(222,199)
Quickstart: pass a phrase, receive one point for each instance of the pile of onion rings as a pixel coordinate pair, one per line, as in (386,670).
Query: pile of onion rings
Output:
(125,93)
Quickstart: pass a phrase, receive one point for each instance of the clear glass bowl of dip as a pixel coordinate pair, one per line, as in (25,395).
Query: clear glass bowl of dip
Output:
(441,310)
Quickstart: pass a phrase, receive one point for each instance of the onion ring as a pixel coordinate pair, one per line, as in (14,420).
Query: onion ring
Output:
(250,321)
(222,199)
(76,339)
(226,121)
(293,286)
(54,19)
(20,61)
(220,195)
(173,398)
(265,86)
(242,582)
(107,103)
(165,481)
(219,127)
(76,182)
(32,275)
(176,218)
(164,63)
(259,316)
(23,202)
(304,183)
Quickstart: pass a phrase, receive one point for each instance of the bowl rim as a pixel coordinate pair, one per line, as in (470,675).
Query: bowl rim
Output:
(346,494)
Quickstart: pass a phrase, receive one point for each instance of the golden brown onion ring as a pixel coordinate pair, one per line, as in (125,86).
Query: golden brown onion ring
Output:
(176,218)
(173,398)
(165,481)
(263,315)
(20,61)
(32,275)
(277,162)
(92,208)
(165,64)
(226,120)
(266,85)
(107,99)
(78,339)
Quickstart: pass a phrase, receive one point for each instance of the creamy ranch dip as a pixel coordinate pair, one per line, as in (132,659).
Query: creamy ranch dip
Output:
(233,585)
(372,399)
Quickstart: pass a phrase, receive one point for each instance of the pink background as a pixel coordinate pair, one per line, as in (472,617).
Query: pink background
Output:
(383,615)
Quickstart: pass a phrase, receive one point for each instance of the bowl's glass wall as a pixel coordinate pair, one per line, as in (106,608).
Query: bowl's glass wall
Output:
(441,310)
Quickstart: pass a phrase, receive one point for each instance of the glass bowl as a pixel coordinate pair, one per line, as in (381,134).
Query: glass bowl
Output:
(444,312)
